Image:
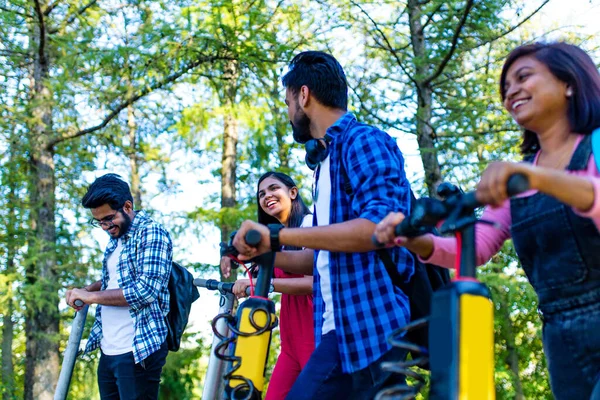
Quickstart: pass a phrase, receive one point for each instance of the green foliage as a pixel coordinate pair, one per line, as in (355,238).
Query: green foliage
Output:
(183,68)
(260,37)
(182,372)
(520,361)
(275,346)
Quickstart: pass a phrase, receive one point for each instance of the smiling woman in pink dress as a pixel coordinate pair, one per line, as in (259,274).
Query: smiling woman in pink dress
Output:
(280,203)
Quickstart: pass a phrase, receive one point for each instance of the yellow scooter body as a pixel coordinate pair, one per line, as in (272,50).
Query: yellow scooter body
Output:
(252,350)
(461,342)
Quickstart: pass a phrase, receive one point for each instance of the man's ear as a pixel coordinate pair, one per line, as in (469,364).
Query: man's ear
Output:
(128,206)
(304,96)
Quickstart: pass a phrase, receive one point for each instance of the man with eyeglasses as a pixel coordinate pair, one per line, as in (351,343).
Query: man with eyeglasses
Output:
(132,296)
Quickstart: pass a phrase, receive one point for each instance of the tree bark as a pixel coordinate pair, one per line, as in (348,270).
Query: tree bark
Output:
(230,141)
(12,245)
(134,169)
(42,316)
(425,134)
(8,381)
(228,169)
(42,361)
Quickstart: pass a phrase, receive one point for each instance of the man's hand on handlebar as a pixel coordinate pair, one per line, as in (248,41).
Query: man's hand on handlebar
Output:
(384,230)
(77,294)
(246,251)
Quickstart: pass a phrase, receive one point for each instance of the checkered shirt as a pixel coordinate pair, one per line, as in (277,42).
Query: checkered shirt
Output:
(367,306)
(144,268)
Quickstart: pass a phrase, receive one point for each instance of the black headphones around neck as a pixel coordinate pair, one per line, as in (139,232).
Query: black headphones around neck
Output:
(317,150)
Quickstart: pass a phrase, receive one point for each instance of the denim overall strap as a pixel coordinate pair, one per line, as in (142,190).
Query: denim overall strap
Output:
(558,249)
(581,156)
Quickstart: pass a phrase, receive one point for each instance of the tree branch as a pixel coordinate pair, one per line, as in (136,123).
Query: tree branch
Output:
(462,75)
(147,90)
(21,14)
(371,113)
(71,19)
(511,29)
(455,37)
(388,46)
(478,134)
(430,16)
(51,7)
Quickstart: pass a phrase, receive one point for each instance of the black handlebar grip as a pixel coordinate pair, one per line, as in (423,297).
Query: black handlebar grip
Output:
(517,184)
(78,303)
(404,228)
(253,238)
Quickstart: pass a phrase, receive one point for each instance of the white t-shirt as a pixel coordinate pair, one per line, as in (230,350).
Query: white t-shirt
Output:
(117,324)
(307,221)
(322,203)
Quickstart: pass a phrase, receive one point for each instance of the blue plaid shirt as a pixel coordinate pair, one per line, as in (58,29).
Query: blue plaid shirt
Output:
(144,268)
(367,307)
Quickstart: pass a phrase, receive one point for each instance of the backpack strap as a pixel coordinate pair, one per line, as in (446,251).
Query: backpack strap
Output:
(391,269)
(596,147)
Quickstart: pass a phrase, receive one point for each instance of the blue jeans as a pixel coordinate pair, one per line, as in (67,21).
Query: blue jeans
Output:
(322,377)
(572,347)
(120,378)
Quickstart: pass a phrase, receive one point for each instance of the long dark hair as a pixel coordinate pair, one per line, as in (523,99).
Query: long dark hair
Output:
(569,64)
(299,209)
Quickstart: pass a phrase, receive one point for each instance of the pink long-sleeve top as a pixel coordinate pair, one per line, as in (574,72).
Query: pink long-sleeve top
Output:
(490,238)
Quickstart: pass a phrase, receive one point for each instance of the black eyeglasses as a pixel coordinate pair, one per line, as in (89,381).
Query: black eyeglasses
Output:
(106,221)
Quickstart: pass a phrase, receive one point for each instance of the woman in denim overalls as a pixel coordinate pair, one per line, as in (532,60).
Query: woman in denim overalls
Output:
(553,92)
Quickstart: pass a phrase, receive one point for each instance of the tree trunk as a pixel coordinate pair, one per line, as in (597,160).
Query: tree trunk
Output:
(229,157)
(133,159)
(512,358)
(228,169)
(425,134)
(42,316)
(42,361)
(281,127)
(8,381)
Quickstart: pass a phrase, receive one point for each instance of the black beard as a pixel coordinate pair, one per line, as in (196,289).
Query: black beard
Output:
(301,128)
(125,225)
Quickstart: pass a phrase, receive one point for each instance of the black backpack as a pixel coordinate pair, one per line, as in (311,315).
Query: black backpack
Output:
(183,293)
(426,279)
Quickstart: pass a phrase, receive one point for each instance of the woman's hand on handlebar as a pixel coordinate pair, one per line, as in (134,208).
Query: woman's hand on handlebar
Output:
(239,288)
(246,251)
(491,189)
(226,267)
(384,233)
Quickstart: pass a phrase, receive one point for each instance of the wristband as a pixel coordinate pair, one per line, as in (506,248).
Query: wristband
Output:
(274,236)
